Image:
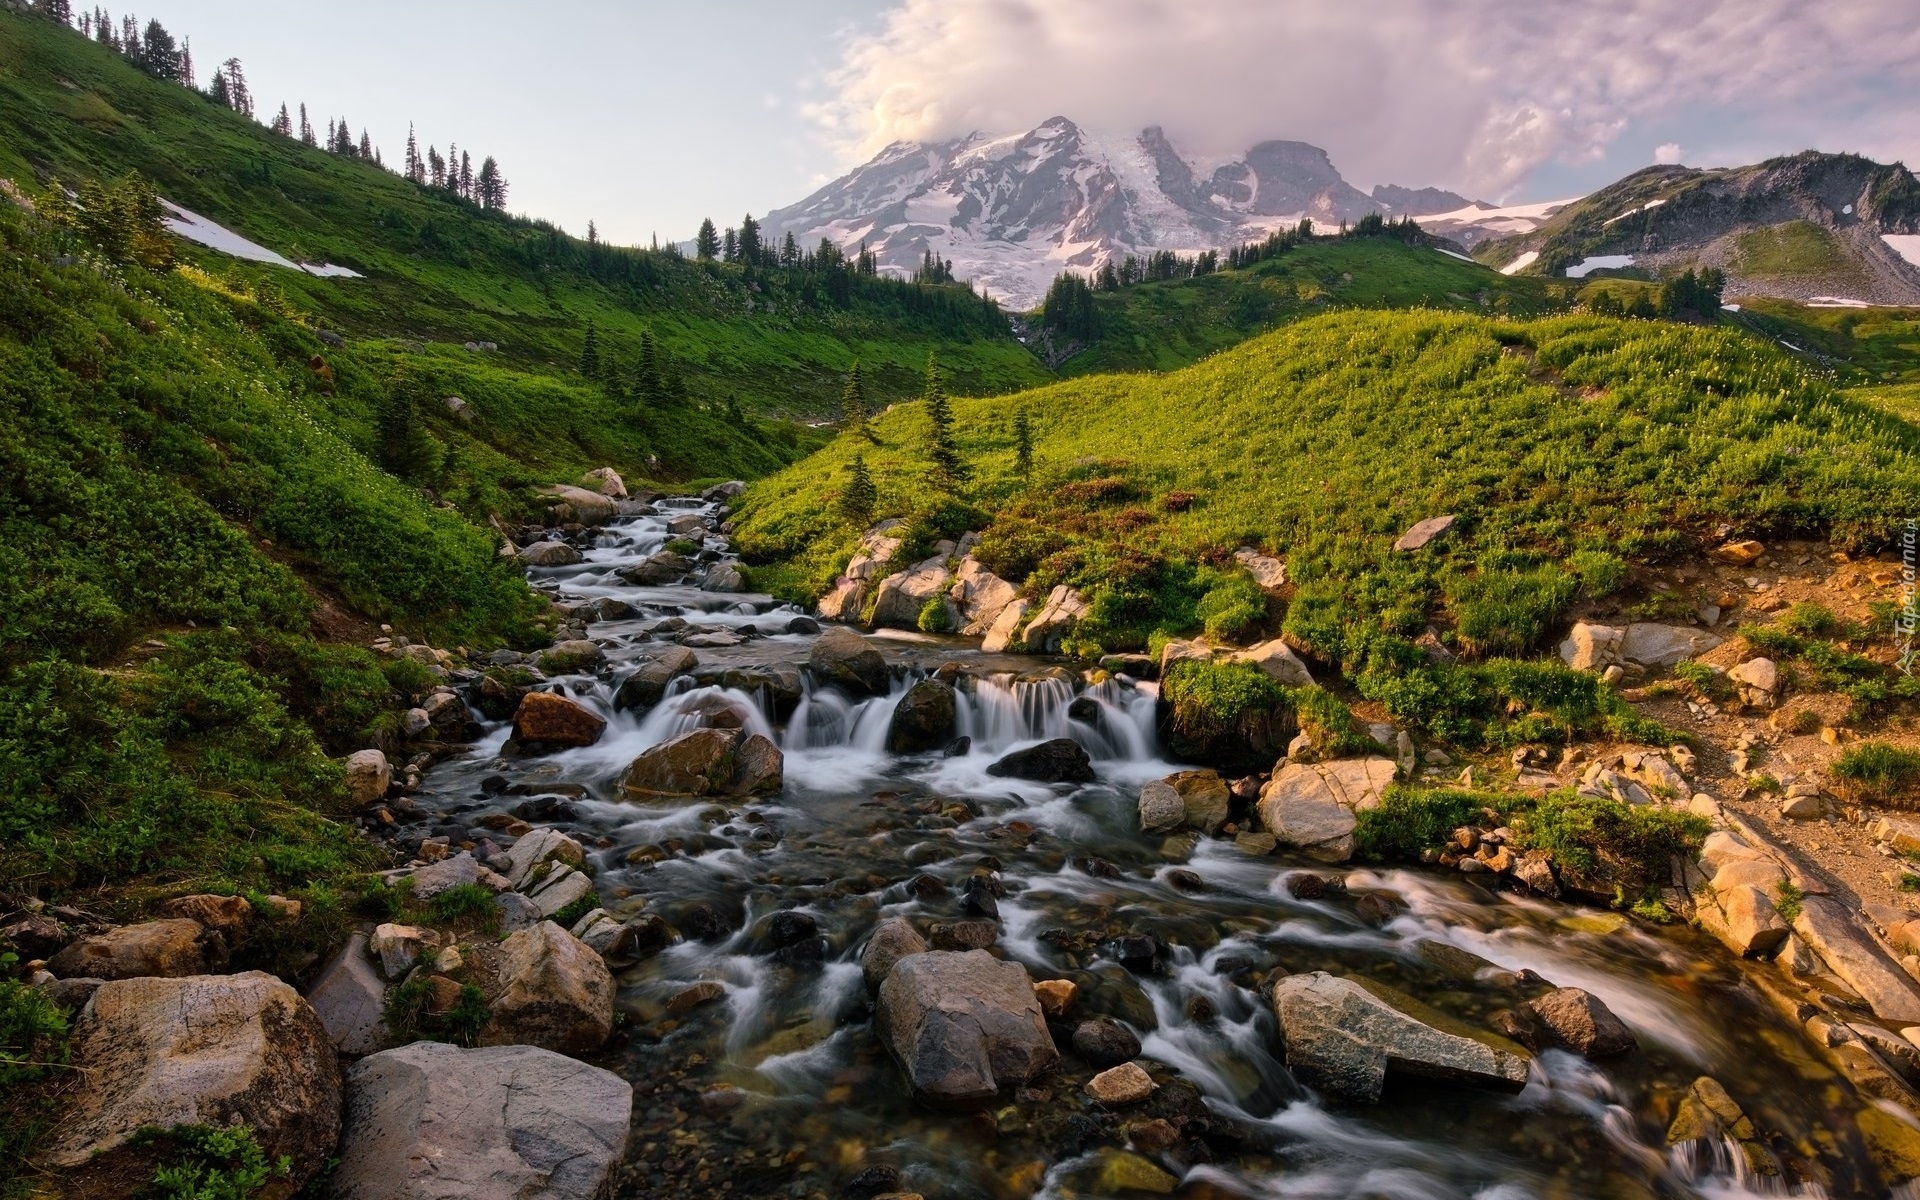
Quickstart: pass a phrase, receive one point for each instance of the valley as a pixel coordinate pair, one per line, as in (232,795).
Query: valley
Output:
(1050,668)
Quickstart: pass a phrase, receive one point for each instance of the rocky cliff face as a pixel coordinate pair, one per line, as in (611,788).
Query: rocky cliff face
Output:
(1014,210)
(1811,226)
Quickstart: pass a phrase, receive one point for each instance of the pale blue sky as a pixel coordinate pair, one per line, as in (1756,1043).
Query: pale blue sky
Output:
(645,116)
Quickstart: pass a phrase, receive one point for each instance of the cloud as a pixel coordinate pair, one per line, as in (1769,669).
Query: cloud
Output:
(1474,94)
(1667,152)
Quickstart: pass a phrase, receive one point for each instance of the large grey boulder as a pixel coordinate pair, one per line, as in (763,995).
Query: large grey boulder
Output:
(589,508)
(902,595)
(892,940)
(1057,619)
(706,762)
(1423,533)
(431,1121)
(1312,805)
(1851,954)
(1655,645)
(1344,1035)
(923,720)
(1059,760)
(659,570)
(844,659)
(1582,1021)
(349,997)
(963,1025)
(1005,630)
(550,990)
(368,775)
(1195,799)
(1278,661)
(981,596)
(1592,647)
(549,554)
(206,1050)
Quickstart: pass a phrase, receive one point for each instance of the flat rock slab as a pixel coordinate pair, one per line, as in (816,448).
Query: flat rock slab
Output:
(1423,532)
(1845,947)
(431,1121)
(1343,1036)
(348,997)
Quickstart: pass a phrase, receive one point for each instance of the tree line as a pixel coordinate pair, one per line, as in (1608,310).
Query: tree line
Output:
(156,51)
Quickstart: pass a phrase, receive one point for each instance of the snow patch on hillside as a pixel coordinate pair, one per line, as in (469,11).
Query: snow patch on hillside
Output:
(1599,262)
(1906,245)
(1522,263)
(214,236)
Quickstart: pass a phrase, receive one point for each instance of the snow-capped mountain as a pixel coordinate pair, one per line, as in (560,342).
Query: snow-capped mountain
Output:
(1014,210)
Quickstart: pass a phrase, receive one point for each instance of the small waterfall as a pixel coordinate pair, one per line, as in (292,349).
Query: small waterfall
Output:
(826,718)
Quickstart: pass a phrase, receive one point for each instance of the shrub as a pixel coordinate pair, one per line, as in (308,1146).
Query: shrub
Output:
(1601,573)
(1507,612)
(407,1018)
(1628,846)
(465,902)
(683,546)
(570,915)
(1233,608)
(1329,724)
(33,1035)
(1011,548)
(1877,773)
(1411,819)
(1810,619)
(934,617)
(1786,900)
(207,1162)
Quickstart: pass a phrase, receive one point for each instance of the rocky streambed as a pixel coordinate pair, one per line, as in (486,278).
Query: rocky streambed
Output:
(892,915)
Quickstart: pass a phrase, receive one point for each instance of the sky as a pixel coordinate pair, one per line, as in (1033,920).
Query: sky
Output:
(646,116)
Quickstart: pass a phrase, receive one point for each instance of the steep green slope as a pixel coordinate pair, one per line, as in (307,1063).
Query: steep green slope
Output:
(440,270)
(1558,442)
(1166,325)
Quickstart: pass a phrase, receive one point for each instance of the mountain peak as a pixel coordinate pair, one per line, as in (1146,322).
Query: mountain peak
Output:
(1014,209)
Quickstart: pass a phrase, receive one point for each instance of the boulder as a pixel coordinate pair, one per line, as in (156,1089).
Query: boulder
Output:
(696,763)
(901,596)
(687,525)
(450,717)
(923,720)
(1161,809)
(400,947)
(1312,805)
(980,595)
(1423,533)
(759,767)
(462,869)
(607,482)
(1056,996)
(1582,1022)
(551,991)
(1344,1035)
(549,554)
(225,915)
(431,1121)
(541,847)
(843,602)
(724,577)
(1058,617)
(571,656)
(348,997)
(963,1026)
(1654,645)
(893,939)
(170,949)
(877,549)
(1758,682)
(1269,572)
(844,659)
(1205,797)
(368,777)
(1105,1042)
(550,719)
(561,888)
(1004,633)
(658,570)
(1060,760)
(1739,554)
(205,1050)
(1278,660)
(589,508)
(1848,951)
(1591,647)
(645,687)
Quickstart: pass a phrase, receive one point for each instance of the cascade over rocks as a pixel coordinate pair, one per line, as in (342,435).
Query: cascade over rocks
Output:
(431,1121)
(645,687)
(962,1025)
(1344,1035)
(204,1050)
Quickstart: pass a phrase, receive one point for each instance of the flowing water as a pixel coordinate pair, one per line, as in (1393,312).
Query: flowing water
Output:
(782,1089)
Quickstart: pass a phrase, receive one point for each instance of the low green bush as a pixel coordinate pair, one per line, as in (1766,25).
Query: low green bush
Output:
(1878,773)
(407,1019)
(465,903)
(1208,698)
(1601,573)
(1507,611)
(208,1162)
(934,617)
(1233,609)
(1410,819)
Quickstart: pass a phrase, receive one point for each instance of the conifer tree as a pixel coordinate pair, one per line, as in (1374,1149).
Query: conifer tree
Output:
(436,168)
(366,145)
(398,438)
(729,246)
(493,186)
(466,175)
(218,89)
(186,77)
(416,166)
(283,122)
(942,451)
(750,241)
(55,10)
(1022,444)
(789,251)
(706,243)
(590,352)
(646,381)
(859,496)
(853,403)
(306,126)
(158,53)
(239,99)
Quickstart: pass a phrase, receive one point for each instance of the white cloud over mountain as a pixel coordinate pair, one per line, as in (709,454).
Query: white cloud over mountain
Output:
(1470,94)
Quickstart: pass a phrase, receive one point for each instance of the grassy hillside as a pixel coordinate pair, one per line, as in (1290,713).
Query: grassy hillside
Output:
(1167,325)
(439,270)
(1564,445)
